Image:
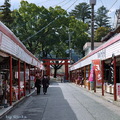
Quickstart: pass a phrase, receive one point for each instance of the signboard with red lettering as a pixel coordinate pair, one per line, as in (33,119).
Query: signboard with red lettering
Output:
(118,89)
(97,69)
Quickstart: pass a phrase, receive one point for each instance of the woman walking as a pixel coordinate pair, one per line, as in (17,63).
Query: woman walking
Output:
(45,83)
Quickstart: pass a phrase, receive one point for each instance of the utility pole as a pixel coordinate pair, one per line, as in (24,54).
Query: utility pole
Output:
(118,17)
(69,33)
(70,49)
(92,3)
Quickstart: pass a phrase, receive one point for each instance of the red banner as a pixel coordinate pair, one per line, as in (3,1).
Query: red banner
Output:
(97,68)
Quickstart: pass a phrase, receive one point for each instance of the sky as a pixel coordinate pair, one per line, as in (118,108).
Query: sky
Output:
(69,5)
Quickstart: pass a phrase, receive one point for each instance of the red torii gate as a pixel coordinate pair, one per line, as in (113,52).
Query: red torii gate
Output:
(48,62)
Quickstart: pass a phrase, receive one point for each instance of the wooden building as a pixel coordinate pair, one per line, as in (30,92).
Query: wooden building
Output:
(17,67)
(103,63)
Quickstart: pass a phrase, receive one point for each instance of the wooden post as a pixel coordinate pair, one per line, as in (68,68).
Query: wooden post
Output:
(24,79)
(115,93)
(66,69)
(94,81)
(48,67)
(35,73)
(10,80)
(88,77)
(29,79)
(85,77)
(102,71)
(18,79)
(70,76)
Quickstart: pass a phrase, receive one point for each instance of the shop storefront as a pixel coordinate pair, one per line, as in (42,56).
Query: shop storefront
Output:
(17,68)
(102,67)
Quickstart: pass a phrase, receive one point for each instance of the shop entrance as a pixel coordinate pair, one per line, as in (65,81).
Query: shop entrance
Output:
(4,76)
(109,73)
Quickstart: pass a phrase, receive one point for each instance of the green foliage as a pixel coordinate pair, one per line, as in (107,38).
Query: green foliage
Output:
(80,36)
(101,18)
(82,12)
(100,33)
(5,13)
(29,19)
(45,31)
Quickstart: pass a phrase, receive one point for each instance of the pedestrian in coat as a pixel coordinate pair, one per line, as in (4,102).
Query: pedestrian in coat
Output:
(45,83)
(38,84)
(80,79)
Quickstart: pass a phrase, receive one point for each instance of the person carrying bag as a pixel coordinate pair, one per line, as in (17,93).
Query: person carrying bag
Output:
(45,83)
(38,84)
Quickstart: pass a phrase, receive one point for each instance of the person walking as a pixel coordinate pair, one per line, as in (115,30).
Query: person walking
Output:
(38,83)
(80,79)
(45,83)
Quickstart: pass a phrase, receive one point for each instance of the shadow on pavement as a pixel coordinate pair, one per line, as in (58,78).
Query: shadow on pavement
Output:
(52,106)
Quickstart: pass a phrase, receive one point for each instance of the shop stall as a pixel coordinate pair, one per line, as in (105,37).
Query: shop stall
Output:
(16,64)
(102,66)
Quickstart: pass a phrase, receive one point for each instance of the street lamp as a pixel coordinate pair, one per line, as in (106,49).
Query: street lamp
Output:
(92,3)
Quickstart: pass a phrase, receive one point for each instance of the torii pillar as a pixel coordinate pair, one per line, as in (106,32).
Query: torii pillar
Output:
(48,68)
(66,69)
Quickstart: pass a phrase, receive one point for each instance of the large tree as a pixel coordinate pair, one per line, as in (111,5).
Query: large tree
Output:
(34,31)
(101,17)
(45,31)
(41,30)
(101,32)
(5,16)
(79,36)
(82,12)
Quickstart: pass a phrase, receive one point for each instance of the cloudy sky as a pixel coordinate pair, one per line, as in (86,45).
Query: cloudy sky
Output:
(68,5)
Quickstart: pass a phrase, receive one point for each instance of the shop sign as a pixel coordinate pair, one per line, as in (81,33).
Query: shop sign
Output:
(118,89)
(97,68)
(102,54)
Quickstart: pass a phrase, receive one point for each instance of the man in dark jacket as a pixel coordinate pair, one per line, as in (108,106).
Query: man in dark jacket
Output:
(45,83)
(38,84)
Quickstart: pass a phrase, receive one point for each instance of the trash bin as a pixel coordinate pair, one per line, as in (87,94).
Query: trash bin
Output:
(92,85)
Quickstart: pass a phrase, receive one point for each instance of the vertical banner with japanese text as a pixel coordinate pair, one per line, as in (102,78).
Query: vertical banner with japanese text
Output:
(118,89)
(91,77)
(97,69)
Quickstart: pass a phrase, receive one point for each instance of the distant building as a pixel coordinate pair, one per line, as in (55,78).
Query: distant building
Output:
(116,30)
(87,47)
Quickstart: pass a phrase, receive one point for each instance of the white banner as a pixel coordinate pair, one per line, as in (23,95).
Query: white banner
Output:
(118,89)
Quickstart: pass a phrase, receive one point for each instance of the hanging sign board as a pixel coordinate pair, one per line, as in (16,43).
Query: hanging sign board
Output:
(91,77)
(97,69)
(118,89)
